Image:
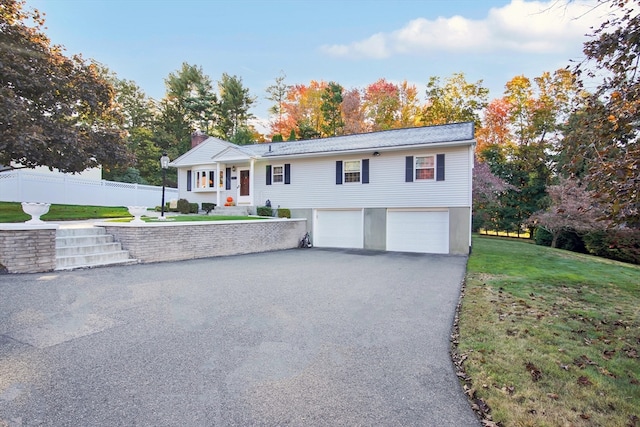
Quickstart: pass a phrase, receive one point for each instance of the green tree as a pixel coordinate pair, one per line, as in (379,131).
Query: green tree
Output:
(454,100)
(189,104)
(235,102)
(277,93)
(55,111)
(331,112)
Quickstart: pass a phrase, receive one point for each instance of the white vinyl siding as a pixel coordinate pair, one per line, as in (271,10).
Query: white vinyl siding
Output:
(314,183)
(418,231)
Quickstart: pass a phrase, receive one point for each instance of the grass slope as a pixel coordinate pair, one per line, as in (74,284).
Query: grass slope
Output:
(551,338)
(12,212)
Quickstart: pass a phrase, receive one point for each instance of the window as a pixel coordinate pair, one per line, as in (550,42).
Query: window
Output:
(278,174)
(425,167)
(352,171)
(204,180)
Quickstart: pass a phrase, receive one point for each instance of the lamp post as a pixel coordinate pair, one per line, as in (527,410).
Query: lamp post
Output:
(164,164)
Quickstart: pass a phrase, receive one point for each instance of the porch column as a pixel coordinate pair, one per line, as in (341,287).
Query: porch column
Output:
(251,178)
(217,184)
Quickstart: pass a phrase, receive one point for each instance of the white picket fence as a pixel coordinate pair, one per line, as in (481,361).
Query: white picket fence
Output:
(25,186)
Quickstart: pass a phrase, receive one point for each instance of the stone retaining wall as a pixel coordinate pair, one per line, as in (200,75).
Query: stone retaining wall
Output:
(27,248)
(154,242)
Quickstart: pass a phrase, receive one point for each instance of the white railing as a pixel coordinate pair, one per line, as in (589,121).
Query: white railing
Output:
(26,186)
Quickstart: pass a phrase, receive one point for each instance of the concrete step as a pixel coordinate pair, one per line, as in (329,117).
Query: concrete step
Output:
(82,247)
(93,260)
(230,210)
(78,240)
(98,248)
(86,230)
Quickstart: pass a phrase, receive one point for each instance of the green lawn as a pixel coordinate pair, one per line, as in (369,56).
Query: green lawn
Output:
(550,337)
(12,212)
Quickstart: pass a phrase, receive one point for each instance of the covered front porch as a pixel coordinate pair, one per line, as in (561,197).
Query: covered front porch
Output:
(226,179)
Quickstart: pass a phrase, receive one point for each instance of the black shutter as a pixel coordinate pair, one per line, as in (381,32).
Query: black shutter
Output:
(408,169)
(287,173)
(339,172)
(268,174)
(188,180)
(440,167)
(365,171)
(227,180)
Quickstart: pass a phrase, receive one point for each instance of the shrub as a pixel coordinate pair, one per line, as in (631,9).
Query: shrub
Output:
(284,213)
(264,211)
(622,245)
(569,240)
(542,237)
(183,206)
(193,208)
(208,207)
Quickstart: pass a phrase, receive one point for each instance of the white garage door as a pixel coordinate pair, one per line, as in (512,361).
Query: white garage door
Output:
(338,229)
(418,231)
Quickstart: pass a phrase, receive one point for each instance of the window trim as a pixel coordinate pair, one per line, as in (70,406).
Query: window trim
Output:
(341,172)
(411,170)
(432,168)
(274,174)
(286,174)
(214,176)
(345,172)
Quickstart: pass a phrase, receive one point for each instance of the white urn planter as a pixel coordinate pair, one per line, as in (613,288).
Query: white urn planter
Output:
(137,212)
(35,210)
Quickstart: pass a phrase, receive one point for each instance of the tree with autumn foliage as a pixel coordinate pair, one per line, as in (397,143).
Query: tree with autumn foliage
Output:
(520,137)
(381,105)
(353,112)
(602,143)
(495,129)
(303,107)
(55,111)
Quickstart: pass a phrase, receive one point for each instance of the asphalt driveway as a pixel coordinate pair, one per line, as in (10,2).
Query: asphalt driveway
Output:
(292,338)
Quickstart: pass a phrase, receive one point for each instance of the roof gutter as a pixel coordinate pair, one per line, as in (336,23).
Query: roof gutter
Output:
(462,143)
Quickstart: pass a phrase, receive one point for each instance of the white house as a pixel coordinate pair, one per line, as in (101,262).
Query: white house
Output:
(403,190)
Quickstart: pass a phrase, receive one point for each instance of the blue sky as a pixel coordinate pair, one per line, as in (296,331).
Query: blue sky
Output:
(352,42)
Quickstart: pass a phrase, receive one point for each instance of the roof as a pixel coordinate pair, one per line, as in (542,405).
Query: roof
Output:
(217,150)
(395,138)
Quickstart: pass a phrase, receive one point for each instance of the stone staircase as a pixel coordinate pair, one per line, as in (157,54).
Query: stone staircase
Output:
(88,246)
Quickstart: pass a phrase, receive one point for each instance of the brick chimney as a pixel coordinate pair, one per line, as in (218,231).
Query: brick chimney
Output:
(198,137)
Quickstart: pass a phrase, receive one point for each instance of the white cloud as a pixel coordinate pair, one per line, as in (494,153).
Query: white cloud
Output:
(521,26)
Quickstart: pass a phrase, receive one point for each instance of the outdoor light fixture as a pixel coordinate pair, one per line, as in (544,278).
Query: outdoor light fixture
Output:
(233,168)
(164,165)
(376,153)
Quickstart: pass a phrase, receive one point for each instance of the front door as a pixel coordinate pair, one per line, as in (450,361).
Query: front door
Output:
(244,196)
